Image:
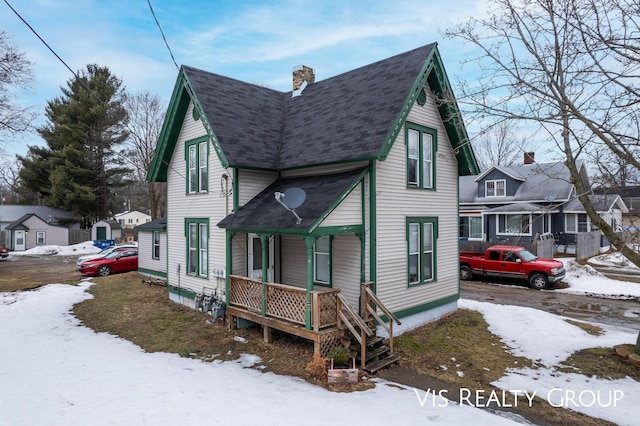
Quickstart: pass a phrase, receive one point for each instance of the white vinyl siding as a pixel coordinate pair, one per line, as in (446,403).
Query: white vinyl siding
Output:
(146,260)
(252,182)
(348,212)
(179,207)
(396,202)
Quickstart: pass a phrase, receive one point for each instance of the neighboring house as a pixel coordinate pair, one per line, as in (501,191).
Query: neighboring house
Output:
(520,203)
(367,160)
(31,231)
(106,230)
(131,218)
(152,248)
(25,227)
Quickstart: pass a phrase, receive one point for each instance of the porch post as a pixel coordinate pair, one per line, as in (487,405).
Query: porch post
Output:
(309,241)
(228,266)
(264,240)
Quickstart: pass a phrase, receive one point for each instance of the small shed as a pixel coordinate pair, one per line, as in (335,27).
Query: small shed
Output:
(152,248)
(106,230)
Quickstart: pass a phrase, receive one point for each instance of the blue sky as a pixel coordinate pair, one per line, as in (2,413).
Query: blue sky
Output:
(254,41)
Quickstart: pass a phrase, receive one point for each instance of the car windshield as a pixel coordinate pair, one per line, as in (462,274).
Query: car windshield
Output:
(113,254)
(106,250)
(527,256)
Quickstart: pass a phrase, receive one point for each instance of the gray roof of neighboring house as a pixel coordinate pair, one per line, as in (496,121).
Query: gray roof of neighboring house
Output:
(11,213)
(600,202)
(543,182)
(523,207)
(155,225)
(263,212)
(342,118)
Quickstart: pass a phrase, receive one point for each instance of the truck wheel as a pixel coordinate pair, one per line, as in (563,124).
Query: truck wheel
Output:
(465,273)
(539,282)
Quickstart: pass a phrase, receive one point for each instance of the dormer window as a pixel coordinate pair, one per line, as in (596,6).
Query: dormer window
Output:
(495,188)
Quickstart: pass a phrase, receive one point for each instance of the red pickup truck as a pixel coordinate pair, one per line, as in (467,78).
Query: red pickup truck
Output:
(516,262)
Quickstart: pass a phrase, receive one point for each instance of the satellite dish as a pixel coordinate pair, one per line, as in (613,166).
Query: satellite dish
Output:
(291,199)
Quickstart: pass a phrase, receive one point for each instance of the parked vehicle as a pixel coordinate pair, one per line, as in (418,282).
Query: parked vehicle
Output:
(3,251)
(117,261)
(103,252)
(511,262)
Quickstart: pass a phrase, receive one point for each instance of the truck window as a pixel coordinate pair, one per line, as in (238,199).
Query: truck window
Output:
(494,255)
(509,256)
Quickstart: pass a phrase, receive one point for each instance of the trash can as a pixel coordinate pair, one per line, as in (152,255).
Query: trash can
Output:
(103,244)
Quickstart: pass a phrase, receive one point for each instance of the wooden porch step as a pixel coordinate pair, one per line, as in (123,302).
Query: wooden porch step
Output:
(376,366)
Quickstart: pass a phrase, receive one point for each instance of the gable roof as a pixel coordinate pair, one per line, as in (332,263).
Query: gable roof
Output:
(323,194)
(159,224)
(11,213)
(543,182)
(351,117)
(600,202)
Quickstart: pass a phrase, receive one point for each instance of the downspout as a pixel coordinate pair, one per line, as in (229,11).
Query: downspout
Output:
(228,266)
(373,266)
(309,242)
(264,241)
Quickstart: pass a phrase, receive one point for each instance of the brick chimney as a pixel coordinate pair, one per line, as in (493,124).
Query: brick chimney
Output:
(302,77)
(528,157)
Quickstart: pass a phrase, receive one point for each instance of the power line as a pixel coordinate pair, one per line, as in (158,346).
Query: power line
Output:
(41,39)
(78,79)
(163,36)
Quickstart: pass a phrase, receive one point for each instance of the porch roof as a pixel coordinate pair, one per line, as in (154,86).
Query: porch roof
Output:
(523,208)
(263,214)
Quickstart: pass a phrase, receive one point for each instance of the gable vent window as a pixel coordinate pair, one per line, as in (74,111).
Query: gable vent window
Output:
(422,97)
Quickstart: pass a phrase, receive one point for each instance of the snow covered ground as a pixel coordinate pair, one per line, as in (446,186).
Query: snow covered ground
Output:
(54,371)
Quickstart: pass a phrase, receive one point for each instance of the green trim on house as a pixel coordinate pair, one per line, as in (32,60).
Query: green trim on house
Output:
(424,307)
(187,145)
(373,251)
(153,272)
(338,201)
(319,283)
(452,118)
(434,74)
(235,189)
(189,294)
(434,149)
(197,221)
(181,97)
(318,232)
(421,221)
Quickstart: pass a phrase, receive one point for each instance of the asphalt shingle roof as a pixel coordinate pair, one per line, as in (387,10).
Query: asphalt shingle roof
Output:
(264,212)
(343,118)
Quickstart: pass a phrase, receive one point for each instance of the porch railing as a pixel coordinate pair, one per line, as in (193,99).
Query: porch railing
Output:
(284,301)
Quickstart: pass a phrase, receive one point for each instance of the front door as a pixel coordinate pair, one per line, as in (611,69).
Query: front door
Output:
(101,233)
(254,251)
(19,241)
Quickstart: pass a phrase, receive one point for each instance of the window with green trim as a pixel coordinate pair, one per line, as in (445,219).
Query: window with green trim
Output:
(422,234)
(156,245)
(322,261)
(421,145)
(197,165)
(197,231)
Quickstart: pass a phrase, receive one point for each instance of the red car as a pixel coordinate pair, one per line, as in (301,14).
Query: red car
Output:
(3,251)
(117,261)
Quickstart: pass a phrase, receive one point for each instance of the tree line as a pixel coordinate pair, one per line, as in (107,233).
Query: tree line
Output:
(99,142)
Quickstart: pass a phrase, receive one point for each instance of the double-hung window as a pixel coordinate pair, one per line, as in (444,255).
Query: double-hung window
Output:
(322,261)
(421,148)
(197,231)
(422,234)
(576,222)
(41,238)
(156,245)
(495,188)
(197,152)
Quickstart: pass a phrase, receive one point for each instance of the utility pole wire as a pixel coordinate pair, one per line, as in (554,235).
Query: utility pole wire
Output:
(163,36)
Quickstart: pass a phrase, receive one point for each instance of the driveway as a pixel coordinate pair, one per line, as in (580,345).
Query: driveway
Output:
(607,311)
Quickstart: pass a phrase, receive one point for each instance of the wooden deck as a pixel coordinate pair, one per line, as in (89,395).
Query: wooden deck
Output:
(286,308)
